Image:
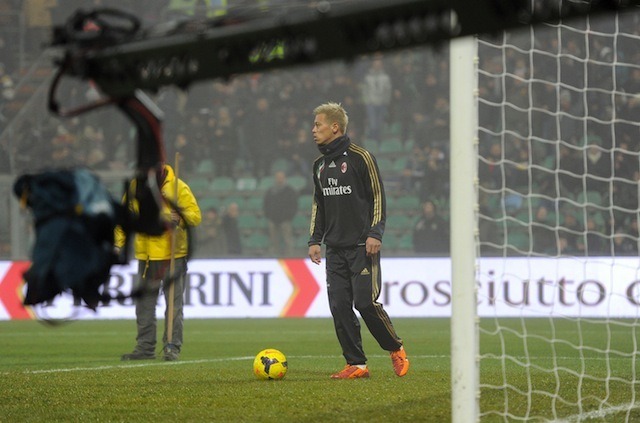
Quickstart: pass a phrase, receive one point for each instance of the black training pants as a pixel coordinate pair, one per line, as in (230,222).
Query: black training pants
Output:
(353,281)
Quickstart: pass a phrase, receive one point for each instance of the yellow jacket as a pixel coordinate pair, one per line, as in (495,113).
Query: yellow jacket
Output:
(159,247)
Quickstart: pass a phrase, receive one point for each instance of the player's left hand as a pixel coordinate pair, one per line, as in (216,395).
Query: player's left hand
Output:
(373,246)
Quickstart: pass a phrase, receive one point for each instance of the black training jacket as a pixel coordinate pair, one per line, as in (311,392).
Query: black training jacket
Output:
(349,203)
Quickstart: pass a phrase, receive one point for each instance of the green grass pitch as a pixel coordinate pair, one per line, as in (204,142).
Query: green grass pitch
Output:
(73,372)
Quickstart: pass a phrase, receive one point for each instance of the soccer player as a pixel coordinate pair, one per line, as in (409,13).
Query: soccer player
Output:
(348,215)
(154,258)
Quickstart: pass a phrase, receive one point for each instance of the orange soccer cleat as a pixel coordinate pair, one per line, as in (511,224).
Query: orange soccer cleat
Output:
(400,361)
(351,372)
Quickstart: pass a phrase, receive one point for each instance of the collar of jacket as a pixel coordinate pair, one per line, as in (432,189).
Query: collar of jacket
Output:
(336,147)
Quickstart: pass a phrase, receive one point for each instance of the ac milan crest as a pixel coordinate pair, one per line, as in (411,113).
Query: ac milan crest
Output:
(343,167)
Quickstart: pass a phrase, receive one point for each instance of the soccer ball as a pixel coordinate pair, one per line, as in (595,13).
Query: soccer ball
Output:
(270,364)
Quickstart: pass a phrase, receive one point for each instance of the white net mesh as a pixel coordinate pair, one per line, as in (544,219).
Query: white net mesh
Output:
(559,175)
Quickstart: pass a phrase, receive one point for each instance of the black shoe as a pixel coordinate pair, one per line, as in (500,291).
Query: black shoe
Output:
(137,355)
(171,353)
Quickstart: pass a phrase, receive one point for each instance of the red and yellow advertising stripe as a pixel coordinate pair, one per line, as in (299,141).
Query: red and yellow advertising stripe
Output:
(305,288)
(11,291)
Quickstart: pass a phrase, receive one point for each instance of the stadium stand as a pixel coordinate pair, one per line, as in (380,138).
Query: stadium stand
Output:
(412,153)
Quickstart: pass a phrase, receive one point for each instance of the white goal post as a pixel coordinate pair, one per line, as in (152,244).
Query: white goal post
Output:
(464,330)
(545,188)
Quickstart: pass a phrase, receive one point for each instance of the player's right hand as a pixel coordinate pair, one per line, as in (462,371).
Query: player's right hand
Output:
(315,254)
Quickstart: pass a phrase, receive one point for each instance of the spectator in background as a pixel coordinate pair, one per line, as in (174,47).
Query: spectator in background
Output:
(94,143)
(439,121)
(414,171)
(210,236)
(490,169)
(182,145)
(5,249)
(569,125)
(593,242)
(7,89)
(5,159)
(195,143)
(119,153)
(376,95)
(39,22)
(357,114)
(302,153)
(543,232)
(435,181)
(431,231)
(7,53)
(623,244)
(570,231)
(626,179)
(225,141)
(572,162)
(280,205)
(406,97)
(565,247)
(419,130)
(64,147)
(260,137)
(598,166)
(231,230)
(288,135)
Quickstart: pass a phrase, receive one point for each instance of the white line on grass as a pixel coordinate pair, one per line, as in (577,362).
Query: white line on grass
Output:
(214,360)
(598,414)
(128,366)
(220,359)
(150,363)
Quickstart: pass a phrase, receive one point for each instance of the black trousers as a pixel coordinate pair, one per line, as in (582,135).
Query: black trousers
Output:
(353,281)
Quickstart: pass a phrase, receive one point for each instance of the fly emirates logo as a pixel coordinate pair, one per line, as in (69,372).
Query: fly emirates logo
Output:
(335,189)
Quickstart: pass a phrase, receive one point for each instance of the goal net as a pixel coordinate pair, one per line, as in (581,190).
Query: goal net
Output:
(559,174)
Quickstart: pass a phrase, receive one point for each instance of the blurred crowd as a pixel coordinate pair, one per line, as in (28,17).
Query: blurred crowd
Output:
(541,156)
(230,121)
(559,138)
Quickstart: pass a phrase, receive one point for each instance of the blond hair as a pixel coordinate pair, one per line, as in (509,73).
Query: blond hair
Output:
(334,112)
